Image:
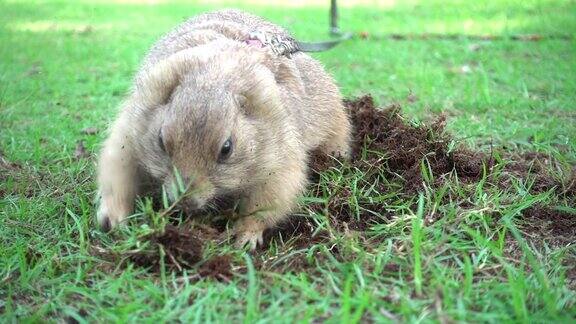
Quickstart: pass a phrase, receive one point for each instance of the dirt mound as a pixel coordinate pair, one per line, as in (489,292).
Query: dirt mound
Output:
(386,137)
(391,153)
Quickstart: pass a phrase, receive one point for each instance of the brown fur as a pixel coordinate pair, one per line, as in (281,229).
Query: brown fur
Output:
(200,85)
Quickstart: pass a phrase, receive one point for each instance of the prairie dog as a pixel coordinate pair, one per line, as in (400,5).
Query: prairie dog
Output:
(228,117)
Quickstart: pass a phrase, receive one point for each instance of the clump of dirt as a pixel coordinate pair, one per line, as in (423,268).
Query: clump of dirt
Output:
(384,137)
(546,227)
(557,227)
(218,268)
(177,248)
(182,249)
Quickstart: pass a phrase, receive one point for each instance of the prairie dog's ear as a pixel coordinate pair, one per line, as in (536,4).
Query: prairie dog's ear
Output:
(285,71)
(262,97)
(282,68)
(155,85)
(270,75)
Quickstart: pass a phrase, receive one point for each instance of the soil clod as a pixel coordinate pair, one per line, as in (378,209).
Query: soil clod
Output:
(553,225)
(218,267)
(181,249)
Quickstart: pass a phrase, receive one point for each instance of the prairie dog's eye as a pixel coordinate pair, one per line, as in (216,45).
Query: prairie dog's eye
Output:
(161,141)
(225,150)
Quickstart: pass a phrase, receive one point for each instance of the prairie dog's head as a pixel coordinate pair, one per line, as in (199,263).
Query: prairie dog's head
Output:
(208,113)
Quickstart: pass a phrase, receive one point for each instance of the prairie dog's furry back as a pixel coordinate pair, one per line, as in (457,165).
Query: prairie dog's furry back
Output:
(230,23)
(226,117)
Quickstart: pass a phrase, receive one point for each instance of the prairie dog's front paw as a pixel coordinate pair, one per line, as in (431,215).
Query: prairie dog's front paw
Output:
(108,217)
(248,231)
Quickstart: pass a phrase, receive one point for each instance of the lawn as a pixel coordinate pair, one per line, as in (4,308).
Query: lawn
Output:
(501,247)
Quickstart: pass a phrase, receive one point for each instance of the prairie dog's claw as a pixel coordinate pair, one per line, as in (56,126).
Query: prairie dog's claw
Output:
(106,218)
(103,218)
(249,231)
(253,240)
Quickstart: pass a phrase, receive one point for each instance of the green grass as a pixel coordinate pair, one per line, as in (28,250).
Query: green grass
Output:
(65,66)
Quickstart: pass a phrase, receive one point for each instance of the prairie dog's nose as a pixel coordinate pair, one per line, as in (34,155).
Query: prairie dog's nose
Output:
(191,204)
(194,203)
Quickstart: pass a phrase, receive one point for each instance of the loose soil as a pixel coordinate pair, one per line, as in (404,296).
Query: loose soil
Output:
(182,249)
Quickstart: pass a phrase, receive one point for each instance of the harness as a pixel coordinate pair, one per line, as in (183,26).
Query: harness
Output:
(283,45)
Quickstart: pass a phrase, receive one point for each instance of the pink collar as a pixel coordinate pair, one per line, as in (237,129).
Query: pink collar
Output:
(254,42)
